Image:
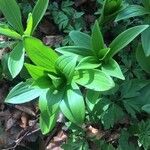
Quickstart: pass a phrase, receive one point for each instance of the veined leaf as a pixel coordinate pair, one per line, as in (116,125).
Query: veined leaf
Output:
(36,71)
(28,30)
(143,61)
(49,107)
(40,54)
(12,13)
(94,79)
(103,53)
(66,65)
(4,30)
(112,68)
(38,12)
(22,93)
(47,122)
(16,59)
(124,39)
(131,11)
(72,105)
(88,63)
(76,50)
(81,39)
(97,39)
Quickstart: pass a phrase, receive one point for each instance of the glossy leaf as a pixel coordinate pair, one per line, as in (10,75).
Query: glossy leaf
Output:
(40,54)
(12,13)
(16,59)
(94,79)
(125,38)
(146,108)
(97,38)
(4,30)
(143,61)
(81,39)
(38,12)
(112,68)
(22,93)
(73,106)
(131,11)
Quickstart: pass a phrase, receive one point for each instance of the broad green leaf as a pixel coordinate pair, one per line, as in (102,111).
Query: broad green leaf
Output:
(12,13)
(40,54)
(131,11)
(125,38)
(38,12)
(36,71)
(22,93)
(97,39)
(4,30)
(112,68)
(49,107)
(73,106)
(91,98)
(16,59)
(66,65)
(143,61)
(76,50)
(103,53)
(81,39)
(146,108)
(47,122)
(88,63)
(43,82)
(94,79)
(146,41)
(28,30)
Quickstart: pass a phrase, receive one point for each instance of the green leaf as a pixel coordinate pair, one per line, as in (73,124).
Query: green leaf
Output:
(47,122)
(112,115)
(76,50)
(143,61)
(103,53)
(49,107)
(88,63)
(112,68)
(97,38)
(16,59)
(144,134)
(38,12)
(12,13)
(4,30)
(81,39)
(72,105)
(91,98)
(66,65)
(28,30)
(146,41)
(94,79)
(125,38)
(40,54)
(146,108)
(36,71)
(131,11)
(22,93)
